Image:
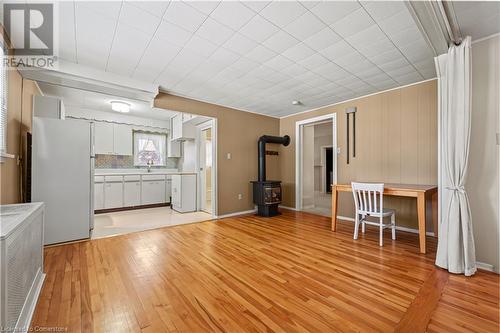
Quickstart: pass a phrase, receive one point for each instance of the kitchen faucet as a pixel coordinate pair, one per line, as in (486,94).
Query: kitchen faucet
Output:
(150,164)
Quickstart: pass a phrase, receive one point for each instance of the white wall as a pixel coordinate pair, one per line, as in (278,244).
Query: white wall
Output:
(484,159)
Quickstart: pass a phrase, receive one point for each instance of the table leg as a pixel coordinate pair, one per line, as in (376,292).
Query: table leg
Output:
(421,220)
(435,213)
(335,195)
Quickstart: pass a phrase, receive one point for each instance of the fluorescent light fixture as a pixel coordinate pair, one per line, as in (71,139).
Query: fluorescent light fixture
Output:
(120,106)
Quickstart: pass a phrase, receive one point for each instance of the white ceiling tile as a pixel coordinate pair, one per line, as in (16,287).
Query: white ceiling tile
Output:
(233,14)
(261,54)
(298,52)
(184,16)
(107,9)
(367,37)
(258,29)
(214,31)
(380,10)
(156,8)
(157,55)
(333,11)
(244,64)
(184,62)
(322,39)
(282,12)
(224,57)
(138,18)
(314,61)
(201,46)
(294,70)
(256,6)
(278,63)
(397,22)
(406,36)
(280,41)
(353,23)
(67,42)
(173,34)
(387,56)
(205,7)
(122,58)
(304,26)
(240,44)
(337,50)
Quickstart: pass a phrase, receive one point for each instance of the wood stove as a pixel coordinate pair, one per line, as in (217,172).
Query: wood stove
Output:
(267,193)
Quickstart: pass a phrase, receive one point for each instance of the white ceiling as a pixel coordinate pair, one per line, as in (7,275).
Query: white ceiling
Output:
(477,19)
(83,99)
(251,55)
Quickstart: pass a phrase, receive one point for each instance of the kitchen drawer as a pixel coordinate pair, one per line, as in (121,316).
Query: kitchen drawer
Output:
(114,179)
(98,179)
(153,177)
(132,178)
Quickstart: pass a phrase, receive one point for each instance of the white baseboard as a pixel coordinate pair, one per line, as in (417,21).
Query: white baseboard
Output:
(236,213)
(286,207)
(400,228)
(24,321)
(486,267)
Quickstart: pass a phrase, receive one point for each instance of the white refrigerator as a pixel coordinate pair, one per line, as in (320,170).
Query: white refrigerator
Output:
(62,176)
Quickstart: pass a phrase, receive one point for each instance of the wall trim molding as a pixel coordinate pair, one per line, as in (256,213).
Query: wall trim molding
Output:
(482,39)
(244,212)
(289,208)
(486,267)
(359,97)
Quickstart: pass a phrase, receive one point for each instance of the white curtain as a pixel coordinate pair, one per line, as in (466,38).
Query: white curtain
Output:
(455,251)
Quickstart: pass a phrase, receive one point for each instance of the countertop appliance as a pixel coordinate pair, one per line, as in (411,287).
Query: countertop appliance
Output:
(62,174)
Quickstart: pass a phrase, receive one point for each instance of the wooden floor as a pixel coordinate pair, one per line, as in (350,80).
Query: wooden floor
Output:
(251,274)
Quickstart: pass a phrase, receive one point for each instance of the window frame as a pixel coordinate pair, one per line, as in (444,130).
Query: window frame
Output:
(134,149)
(4,107)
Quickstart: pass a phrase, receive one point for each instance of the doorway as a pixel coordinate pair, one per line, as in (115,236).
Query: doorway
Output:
(206,166)
(316,161)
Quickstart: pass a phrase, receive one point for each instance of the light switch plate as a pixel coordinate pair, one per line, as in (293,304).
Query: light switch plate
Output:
(498,139)
(228,156)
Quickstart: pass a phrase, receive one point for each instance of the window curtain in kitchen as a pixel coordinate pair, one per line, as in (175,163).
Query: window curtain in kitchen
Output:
(456,251)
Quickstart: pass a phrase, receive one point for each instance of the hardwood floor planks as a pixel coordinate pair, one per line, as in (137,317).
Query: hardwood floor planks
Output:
(249,274)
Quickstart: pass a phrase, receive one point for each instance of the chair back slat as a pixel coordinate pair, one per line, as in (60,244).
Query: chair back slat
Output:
(366,196)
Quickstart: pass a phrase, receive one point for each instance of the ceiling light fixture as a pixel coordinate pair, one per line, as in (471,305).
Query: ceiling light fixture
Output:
(296,103)
(120,106)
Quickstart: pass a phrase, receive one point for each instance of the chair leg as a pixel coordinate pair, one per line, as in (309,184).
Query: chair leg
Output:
(356,226)
(381,243)
(363,224)
(393,226)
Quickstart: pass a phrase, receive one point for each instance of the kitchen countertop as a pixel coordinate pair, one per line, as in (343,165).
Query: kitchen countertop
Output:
(125,172)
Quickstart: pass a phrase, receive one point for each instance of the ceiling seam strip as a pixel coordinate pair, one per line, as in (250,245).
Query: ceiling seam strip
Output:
(114,36)
(392,42)
(150,40)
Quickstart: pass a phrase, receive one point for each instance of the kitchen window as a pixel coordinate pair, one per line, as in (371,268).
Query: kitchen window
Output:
(3,102)
(150,149)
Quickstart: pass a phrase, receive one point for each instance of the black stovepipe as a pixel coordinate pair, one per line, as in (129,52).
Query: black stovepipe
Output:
(284,140)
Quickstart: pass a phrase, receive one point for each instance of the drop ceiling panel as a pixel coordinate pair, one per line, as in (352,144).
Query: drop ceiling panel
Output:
(252,53)
(478,19)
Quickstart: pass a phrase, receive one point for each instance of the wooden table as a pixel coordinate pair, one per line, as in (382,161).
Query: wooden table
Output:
(426,204)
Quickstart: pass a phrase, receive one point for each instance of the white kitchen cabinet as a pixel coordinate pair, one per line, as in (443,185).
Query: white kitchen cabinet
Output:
(168,189)
(122,139)
(113,194)
(103,138)
(180,129)
(131,193)
(99,193)
(173,147)
(184,193)
(153,189)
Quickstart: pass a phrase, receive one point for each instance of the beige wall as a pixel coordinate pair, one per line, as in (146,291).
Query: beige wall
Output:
(483,180)
(237,133)
(396,142)
(20,93)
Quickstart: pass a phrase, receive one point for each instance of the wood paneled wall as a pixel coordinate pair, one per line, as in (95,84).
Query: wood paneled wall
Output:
(396,142)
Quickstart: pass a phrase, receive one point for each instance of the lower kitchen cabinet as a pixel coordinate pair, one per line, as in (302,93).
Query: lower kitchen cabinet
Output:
(99,195)
(153,191)
(184,193)
(131,193)
(168,189)
(113,195)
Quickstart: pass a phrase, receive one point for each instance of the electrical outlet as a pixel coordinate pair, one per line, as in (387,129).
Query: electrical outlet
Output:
(240,196)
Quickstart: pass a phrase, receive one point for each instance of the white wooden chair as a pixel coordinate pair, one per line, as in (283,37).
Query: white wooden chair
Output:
(368,198)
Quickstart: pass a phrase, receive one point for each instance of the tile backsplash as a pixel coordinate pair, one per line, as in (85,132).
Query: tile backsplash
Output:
(103,161)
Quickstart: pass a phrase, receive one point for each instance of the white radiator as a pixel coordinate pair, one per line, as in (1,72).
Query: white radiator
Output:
(21,264)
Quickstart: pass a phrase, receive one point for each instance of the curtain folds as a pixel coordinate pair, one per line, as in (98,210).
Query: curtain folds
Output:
(456,251)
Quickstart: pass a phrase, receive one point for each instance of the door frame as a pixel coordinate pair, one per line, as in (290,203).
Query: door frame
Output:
(299,126)
(212,123)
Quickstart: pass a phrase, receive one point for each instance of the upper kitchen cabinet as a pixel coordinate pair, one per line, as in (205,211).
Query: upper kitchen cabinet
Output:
(173,147)
(103,138)
(112,139)
(122,139)
(181,128)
